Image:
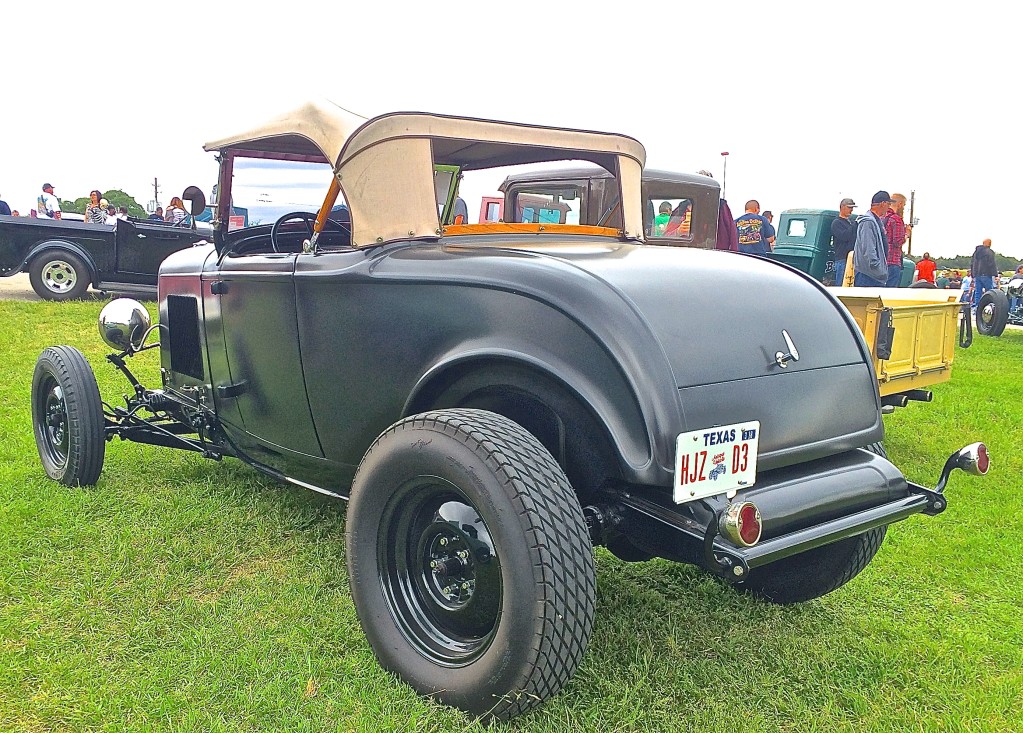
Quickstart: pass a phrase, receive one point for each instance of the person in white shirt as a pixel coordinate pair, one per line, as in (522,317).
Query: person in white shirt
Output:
(47,205)
(967,288)
(111,215)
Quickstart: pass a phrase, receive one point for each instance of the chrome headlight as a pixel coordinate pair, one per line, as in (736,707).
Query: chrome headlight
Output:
(123,323)
(1015,287)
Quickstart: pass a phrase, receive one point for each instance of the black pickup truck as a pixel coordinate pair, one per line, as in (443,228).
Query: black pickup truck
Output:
(63,258)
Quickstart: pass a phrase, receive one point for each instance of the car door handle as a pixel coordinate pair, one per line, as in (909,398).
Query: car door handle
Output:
(218,287)
(227,391)
(141,236)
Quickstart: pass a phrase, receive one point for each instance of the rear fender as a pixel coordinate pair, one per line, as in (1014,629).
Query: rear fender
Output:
(60,245)
(583,434)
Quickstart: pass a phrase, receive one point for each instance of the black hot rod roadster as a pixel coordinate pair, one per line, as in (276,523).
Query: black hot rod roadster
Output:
(494,399)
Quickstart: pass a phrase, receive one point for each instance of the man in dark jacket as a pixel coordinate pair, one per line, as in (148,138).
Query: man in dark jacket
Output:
(843,235)
(984,270)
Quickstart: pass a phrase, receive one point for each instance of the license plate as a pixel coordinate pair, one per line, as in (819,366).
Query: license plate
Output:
(715,460)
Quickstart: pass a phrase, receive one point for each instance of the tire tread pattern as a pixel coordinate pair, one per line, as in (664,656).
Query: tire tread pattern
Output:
(556,531)
(86,449)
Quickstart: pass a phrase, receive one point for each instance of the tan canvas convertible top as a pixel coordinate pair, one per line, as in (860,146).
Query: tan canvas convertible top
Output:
(385,166)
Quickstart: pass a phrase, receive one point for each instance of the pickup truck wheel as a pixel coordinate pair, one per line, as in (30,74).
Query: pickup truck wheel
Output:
(469,561)
(817,572)
(58,276)
(992,313)
(67,417)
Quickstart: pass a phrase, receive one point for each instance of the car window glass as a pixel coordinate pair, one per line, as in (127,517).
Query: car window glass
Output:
(265,190)
(444,177)
(668,218)
(796,228)
(540,204)
(541,201)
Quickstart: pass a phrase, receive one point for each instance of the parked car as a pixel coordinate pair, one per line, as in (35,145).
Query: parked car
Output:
(494,399)
(63,257)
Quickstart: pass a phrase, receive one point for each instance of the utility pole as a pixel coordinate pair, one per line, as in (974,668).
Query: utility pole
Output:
(151,207)
(724,176)
(912,223)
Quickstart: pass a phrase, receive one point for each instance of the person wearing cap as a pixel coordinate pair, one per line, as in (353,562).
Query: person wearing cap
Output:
(895,230)
(843,235)
(47,204)
(870,251)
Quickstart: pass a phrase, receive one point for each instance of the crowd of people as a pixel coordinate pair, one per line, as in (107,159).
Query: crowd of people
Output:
(97,211)
(875,242)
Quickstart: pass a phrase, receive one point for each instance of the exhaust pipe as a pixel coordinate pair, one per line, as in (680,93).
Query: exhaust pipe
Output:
(919,395)
(895,400)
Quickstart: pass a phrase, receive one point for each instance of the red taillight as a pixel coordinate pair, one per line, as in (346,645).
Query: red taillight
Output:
(741,524)
(983,460)
(749,524)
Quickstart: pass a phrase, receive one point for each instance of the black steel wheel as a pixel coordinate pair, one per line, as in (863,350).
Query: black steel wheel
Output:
(58,275)
(67,417)
(992,313)
(817,572)
(469,561)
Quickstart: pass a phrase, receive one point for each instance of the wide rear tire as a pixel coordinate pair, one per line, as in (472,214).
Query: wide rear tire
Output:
(817,572)
(67,417)
(469,561)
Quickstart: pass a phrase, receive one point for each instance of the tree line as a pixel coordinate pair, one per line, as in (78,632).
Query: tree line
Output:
(115,197)
(962,262)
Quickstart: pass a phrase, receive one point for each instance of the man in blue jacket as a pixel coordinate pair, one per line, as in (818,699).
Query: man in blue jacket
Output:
(870,252)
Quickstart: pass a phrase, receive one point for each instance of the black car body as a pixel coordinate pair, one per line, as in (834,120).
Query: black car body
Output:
(63,257)
(493,399)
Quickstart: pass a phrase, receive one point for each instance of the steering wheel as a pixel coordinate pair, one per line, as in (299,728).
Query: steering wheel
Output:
(309,220)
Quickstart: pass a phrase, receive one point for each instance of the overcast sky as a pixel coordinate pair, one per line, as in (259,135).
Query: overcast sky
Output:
(814,101)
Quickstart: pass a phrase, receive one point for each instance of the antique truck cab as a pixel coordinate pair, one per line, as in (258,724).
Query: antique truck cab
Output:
(804,242)
(492,400)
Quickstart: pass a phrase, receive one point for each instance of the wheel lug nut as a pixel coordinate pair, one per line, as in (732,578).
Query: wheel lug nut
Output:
(443,541)
(463,554)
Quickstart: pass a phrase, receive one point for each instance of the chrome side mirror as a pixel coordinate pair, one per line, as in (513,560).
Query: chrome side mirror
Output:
(123,324)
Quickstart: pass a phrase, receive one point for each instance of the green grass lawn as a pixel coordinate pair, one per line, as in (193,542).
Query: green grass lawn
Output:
(181,594)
